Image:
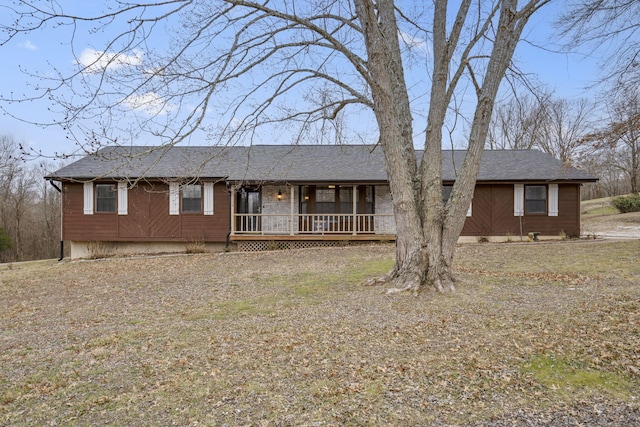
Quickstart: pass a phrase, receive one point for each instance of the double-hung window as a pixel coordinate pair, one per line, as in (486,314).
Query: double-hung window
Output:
(106,197)
(192,198)
(535,199)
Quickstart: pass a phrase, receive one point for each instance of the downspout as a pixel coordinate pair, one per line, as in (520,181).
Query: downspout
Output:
(53,184)
(226,247)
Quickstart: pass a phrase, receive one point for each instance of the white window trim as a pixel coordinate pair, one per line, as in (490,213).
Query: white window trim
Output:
(88,198)
(518,200)
(123,198)
(470,211)
(553,199)
(208,198)
(174,198)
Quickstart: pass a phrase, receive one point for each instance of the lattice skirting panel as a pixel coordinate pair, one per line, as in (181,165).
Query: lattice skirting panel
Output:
(261,245)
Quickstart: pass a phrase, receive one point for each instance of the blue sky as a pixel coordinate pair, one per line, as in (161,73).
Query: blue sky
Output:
(567,74)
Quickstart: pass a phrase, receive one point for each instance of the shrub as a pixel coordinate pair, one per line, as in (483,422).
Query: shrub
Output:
(196,247)
(626,204)
(5,240)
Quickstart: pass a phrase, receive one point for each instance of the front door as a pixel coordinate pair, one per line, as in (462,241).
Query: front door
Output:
(249,210)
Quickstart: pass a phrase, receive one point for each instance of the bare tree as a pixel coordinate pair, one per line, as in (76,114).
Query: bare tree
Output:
(619,141)
(611,180)
(7,170)
(29,210)
(48,214)
(256,58)
(611,28)
(8,163)
(555,126)
(14,185)
(566,124)
(519,123)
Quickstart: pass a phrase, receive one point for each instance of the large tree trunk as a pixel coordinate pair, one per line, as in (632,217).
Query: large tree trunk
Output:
(439,273)
(427,231)
(510,26)
(393,114)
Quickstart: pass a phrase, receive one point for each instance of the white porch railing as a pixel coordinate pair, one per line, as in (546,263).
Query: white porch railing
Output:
(294,224)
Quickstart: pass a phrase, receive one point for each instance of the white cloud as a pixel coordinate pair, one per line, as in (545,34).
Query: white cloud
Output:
(95,61)
(28,45)
(414,42)
(150,103)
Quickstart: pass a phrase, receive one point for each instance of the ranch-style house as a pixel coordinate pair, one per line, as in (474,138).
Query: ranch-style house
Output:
(150,199)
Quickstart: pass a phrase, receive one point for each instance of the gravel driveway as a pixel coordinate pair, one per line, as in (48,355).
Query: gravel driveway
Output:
(618,227)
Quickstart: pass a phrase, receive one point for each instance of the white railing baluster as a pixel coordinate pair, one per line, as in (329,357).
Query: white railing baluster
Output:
(296,224)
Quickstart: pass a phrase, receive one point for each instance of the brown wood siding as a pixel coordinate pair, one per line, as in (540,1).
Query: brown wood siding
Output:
(148,216)
(136,223)
(147,219)
(568,219)
(162,225)
(503,222)
(100,226)
(492,213)
(480,219)
(209,228)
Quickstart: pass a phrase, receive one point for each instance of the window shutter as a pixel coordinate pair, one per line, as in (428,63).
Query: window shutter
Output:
(208,198)
(123,199)
(518,199)
(88,198)
(553,199)
(174,198)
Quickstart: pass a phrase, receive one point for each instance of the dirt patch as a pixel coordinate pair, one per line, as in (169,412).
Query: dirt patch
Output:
(536,334)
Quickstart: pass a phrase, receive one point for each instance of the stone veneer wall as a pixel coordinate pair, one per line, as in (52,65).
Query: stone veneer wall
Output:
(384,206)
(272,206)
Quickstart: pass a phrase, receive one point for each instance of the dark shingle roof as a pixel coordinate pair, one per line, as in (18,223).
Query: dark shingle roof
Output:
(302,163)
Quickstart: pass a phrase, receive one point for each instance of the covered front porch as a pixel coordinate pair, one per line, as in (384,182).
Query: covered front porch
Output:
(332,213)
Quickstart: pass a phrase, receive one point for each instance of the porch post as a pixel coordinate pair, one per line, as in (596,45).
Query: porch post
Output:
(233,210)
(355,209)
(291,211)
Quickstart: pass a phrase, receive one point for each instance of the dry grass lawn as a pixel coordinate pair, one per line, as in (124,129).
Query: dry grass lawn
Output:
(537,334)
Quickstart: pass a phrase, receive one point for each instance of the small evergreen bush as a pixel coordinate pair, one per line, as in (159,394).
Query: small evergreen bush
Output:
(626,204)
(5,240)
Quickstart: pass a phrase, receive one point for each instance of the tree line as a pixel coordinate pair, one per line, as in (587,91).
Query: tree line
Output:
(601,137)
(29,207)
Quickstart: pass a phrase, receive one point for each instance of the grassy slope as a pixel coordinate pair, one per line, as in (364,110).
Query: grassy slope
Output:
(598,207)
(294,338)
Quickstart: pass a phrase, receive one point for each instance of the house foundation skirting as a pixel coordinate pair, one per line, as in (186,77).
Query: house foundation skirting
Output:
(503,239)
(257,242)
(99,249)
(266,245)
